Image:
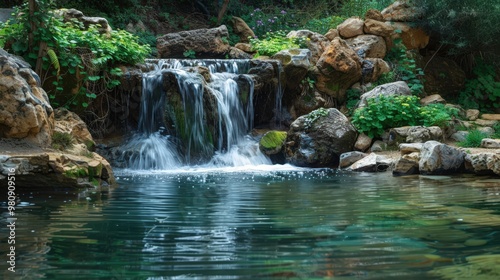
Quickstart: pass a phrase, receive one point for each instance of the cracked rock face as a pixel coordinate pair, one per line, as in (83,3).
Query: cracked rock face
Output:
(25,112)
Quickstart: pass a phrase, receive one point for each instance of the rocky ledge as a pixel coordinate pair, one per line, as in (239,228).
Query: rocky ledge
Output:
(43,148)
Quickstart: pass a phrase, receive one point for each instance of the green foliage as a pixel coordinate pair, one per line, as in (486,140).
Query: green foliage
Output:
(72,50)
(482,92)
(437,114)
(496,134)
(359,8)
(386,112)
(76,173)
(405,67)
(189,54)
(473,139)
(270,20)
(322,25)
(275,42)
(61,140)
(465,26)
(313,116)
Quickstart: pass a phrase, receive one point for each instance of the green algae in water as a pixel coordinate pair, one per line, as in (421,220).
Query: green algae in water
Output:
(483,267)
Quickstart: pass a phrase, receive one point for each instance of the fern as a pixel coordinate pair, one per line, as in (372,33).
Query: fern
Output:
(54,60)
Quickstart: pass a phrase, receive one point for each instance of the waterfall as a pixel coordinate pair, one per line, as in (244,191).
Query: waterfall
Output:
(150,147)
(189,141)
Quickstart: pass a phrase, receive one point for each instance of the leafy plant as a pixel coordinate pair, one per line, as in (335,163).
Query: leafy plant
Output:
(360,7)
(385,112)
(496,128)
(473,139)
(322,25)
(275,42)
(73,51)
(405,67)
(313,116)
(482,92)
(189,54)
(438,114)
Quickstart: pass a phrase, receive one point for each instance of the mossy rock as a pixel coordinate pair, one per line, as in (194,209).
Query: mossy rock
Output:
(272,142)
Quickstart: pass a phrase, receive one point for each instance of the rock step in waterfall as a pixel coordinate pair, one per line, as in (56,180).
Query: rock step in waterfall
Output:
(204,119)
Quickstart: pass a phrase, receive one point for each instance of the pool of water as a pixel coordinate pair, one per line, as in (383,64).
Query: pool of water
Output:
(271,222)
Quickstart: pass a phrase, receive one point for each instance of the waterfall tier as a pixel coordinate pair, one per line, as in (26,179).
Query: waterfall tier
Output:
(196,112)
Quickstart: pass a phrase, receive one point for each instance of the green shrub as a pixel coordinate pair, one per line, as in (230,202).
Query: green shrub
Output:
(405,67)
(386,112)
(275,42)
(322,25)
(438,114)
(73,51)
(359,8)
(62,140)
(496,134)
(482,92)
(473,139)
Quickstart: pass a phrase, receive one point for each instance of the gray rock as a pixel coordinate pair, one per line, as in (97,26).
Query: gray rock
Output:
(408,148)
(490,143)
(371,163)
(478,163)
(318,139)
(390,89)
(206,43)
(347,159)
(407,165)
(437,158)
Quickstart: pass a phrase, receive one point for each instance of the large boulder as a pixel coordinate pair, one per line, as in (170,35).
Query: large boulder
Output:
(412,37)
(241,28)
(390,89)
(351,27)
(437,158)
(296,64)
(205,43)
(373,68)
(319,138)
(25,111)
(379,28)
(316,42)
(338,68)
(366,46)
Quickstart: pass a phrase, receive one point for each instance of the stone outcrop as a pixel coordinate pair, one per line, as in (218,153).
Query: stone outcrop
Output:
(396,88)
(241,28)
(338,68)
(25,111)
(205,43)
(437,158)
(57,171)
(72,14)
(319,138)
(368,46)
(316,42)
(371,163)
(351,27)
(296,64)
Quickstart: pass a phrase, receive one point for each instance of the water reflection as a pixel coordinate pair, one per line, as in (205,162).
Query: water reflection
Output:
(298,224)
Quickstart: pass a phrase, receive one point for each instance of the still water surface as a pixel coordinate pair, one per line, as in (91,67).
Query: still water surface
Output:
(263,224)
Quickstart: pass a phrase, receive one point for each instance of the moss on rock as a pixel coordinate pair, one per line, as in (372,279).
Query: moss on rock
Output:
(272,142)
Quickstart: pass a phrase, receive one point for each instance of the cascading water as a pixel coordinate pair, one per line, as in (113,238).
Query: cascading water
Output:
(153,146)
(150,147)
